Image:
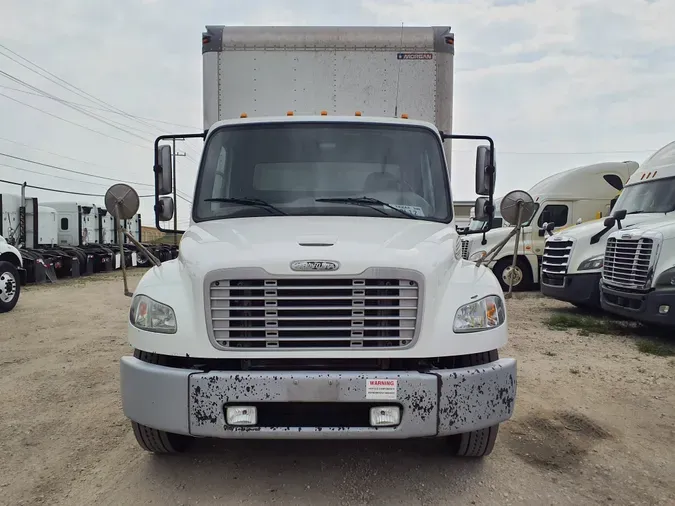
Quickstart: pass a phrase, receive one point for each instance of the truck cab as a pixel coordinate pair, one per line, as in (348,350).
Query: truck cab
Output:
(638,262)
(320,290)
(573,258)
(563,200)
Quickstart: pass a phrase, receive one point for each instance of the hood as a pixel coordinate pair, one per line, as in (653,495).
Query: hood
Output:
(492,237)
(590,228)
(275,241)
(664,226)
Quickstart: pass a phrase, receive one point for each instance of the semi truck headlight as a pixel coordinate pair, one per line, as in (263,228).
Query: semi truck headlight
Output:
(477,255)
(592,263)
(148,314)
(483,314)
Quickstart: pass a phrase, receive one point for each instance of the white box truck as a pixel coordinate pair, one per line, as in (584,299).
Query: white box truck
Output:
(319,290)
(563,200)
(573,258)
(638,265)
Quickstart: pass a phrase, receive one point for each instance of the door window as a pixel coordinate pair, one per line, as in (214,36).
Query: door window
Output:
(554,213)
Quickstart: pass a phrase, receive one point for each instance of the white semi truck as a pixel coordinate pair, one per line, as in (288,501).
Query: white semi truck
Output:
(320,291)
(12,274)
(563,200)
(638,265)
(573,258)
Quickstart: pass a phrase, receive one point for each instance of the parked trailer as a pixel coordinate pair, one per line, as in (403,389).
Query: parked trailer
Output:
(32,229)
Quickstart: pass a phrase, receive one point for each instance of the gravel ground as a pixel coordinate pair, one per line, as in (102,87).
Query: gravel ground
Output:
(594,424)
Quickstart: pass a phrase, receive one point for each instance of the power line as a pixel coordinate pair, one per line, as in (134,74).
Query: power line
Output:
(51,175)
(79,104)
(83,173)
(79,91)
(89,129)
(110,123)
(73,159)
(55,190)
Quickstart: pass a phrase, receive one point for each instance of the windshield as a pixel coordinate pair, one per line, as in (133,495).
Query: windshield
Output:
(283,168)
(656,196)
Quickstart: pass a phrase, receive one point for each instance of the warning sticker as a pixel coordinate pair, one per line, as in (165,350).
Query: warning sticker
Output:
(414,210)
(382,389)
(415,56)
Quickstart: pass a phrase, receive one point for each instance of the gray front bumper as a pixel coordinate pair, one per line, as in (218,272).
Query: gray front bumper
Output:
(437,403)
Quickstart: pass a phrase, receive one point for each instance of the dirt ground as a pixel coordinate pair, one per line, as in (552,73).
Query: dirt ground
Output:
(594,424)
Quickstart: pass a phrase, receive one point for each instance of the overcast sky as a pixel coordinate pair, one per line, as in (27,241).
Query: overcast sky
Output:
(557,84)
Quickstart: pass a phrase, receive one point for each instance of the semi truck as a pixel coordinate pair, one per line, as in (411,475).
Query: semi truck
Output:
(319,290)
(12,275)
(563,200)
(574,258)
(638,265)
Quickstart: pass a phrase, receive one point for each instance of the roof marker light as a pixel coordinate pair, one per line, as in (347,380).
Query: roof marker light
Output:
(324,113)
(243,115)
(289,113)
(404,116)
(357,113)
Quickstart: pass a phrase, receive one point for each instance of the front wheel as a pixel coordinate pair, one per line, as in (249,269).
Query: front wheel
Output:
(158,441)
(478,443)
(521,275)
(10,287)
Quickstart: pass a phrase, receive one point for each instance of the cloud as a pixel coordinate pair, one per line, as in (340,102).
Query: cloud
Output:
(575,76)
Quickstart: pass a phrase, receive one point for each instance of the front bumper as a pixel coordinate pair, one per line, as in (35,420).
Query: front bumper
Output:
(435,403)
(582,289)
(640,306)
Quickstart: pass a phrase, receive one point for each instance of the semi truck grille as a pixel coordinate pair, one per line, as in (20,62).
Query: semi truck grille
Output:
(555,260)
(627,262)
(465,249)
(306,313)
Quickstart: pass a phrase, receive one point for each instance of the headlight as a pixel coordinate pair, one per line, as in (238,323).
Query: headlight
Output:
(148,314)
(483,314)
(592,263)
(666,278)
(477,255)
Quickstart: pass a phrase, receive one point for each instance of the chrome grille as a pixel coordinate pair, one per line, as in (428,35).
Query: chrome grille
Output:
(627,262)
(303,312)
(465,249)
(556,256)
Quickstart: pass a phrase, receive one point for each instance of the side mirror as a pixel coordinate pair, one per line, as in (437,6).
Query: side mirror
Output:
(549,227)
(481,209)
(165,209)
(164,170)
(485,171)
(620,214)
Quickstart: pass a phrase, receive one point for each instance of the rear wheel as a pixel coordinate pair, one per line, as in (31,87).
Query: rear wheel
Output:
(10,287)
(477,443)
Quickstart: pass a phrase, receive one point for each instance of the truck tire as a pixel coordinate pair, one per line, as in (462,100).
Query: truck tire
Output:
(477,443)
(523,279)
(158,441)
(10,286)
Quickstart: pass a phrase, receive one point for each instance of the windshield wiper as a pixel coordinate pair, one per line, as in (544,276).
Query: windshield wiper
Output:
(247,201)
(367,201)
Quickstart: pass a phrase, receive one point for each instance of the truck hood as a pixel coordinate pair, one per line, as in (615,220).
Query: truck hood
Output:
(590,228)
(276,241)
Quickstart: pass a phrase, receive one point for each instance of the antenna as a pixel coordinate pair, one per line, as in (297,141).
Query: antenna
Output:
(122,202)
(398,76)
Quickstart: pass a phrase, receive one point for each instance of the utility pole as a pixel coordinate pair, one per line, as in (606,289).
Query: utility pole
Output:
(175,196)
